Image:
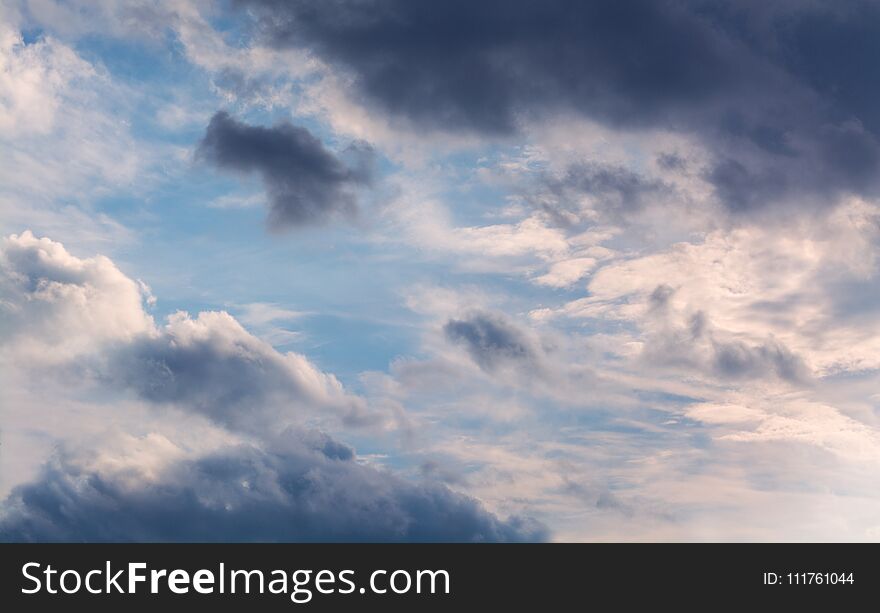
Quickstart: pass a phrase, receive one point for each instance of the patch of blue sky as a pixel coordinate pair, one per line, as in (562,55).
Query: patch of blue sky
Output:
(143,62)
(196,257)
(32,35)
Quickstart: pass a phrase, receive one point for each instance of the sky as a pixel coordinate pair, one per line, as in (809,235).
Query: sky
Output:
(380,270)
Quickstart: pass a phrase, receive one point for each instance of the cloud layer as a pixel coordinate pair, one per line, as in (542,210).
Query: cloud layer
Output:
(614,266)
(781,119)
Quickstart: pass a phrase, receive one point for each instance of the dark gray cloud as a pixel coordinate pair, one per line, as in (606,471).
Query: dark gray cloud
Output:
(829,46)
(785,96)
(659,298)
(242,85)
(300,490)
(694,348)
(305,182)
(737,360)
(477,65)
(744,189)
(232,388)
(491,341)
(671,161)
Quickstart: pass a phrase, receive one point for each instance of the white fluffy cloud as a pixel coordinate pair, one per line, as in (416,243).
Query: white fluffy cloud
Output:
(86,314)
(56,306)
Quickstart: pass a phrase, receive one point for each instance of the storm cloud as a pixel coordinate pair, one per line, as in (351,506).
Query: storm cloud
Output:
(478,65)
(305,182)
(299,489)
(782,97)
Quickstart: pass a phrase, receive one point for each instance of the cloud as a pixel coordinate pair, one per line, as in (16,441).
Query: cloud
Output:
(255,474)
(491,341)
(141,20)
(87,318)
(716,377)
(614,191)
(566,272)
(737,360)
(791,419)
(64,137)
(55,306)
(673,339)
(751,300)
(301,488)
(501,63)
(778,95)
(211,365)
(305,182)
(420,219)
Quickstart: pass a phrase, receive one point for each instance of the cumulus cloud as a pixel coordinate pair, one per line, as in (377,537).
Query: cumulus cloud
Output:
(480,365)
(255,484)
(211,365)
(86,316)
(55,306)
(299,488)
(305,182)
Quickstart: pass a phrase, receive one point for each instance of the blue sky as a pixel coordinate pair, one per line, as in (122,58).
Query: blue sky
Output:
(543,270)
